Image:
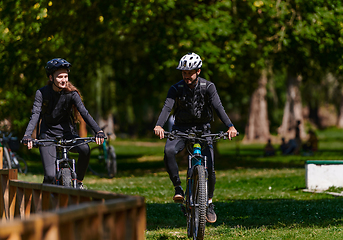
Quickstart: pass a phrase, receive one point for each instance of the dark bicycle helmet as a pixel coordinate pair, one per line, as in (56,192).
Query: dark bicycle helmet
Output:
(54,64)
(190,61)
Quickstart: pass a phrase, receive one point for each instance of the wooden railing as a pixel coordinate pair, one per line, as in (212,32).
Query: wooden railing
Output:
(49,212)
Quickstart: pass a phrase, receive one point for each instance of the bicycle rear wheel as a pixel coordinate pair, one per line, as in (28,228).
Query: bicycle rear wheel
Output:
(21,165)
(111,162)
(97,164)
(199,193)
(6,159)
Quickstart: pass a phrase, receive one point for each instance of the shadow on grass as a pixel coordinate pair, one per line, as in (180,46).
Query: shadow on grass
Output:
(245,158)
(274,213)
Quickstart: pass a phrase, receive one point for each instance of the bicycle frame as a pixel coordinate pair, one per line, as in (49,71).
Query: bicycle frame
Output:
(196,199)
(105,164)
(62,161)
(196,203)
(11,158)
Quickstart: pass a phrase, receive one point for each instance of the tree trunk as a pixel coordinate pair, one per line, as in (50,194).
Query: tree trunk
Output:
(293,109)
(340,116)
(108,125)
(257,128)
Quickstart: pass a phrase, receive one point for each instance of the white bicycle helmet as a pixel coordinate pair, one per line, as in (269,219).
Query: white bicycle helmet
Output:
(190,61)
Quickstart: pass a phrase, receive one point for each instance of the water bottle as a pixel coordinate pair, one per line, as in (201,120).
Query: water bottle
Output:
(196,160)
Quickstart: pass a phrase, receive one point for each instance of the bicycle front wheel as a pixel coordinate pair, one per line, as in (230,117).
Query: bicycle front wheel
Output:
(66,177)
(199,193)
(111,162)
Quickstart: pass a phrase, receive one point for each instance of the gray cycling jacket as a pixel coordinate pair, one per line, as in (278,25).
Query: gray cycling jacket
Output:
(55,110)
(187,98)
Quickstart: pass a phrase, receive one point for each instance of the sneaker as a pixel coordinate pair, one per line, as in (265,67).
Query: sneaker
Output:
(211,216)
(179,195)
(80,185)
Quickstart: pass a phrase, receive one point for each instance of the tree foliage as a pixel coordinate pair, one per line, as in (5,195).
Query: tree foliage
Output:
(124,53)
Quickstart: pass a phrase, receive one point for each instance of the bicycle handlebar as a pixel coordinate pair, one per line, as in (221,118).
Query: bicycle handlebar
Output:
(59,142)
(8,137)
(192,135)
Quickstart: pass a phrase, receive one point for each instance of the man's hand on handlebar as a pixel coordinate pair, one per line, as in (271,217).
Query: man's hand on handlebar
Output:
(232,132)
(27,140)
(159,131)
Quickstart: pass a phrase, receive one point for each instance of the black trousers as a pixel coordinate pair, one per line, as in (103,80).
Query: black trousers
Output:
(175,146)
(48,156)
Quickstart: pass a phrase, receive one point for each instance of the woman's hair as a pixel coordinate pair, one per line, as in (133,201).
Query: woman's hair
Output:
(71,88)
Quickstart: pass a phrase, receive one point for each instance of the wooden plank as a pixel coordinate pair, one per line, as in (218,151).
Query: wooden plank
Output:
(120,225)
(63,200)
(12,174)
(37,201)
(108,227)
(74,200)
(28,201)
(5,194)
(2,201)
(66,230)
(12,201)
(141,223)
(131,229)
(54,200)
(51,232)
(20,203)
(46,200)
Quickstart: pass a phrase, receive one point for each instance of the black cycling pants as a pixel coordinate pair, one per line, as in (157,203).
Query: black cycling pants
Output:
(48,155)
(175,146)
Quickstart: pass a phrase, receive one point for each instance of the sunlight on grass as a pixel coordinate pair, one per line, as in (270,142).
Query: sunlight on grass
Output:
(256,197)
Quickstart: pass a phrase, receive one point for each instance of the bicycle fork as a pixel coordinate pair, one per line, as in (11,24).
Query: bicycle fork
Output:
(65,164)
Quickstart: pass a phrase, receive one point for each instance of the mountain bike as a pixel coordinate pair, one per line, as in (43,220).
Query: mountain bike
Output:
(105,163)
(11,159)
(65,167)
(195,204)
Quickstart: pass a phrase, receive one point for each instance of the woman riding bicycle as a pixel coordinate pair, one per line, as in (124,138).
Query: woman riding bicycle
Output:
(58,105)
(193,98)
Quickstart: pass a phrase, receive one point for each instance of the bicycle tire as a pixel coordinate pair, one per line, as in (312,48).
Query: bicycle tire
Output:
(66,177)
(6,162)
(97,164)
(22,165)
(199,193)
(111,162)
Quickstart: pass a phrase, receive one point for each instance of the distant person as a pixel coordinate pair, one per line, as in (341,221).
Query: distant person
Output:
(311,144)
(269,149)
(284,146)
(294,145)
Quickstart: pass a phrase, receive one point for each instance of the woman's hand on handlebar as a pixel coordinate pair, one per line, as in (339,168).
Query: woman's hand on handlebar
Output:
(232,132)
(99,137)
(159,131)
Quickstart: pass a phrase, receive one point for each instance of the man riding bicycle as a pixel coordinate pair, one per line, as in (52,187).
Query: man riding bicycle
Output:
(193,98)
(57,105)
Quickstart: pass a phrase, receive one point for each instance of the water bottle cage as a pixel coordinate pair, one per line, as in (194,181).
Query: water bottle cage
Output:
(197,160)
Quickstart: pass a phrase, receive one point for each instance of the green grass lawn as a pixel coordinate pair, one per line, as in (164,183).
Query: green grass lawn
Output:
(256,197)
